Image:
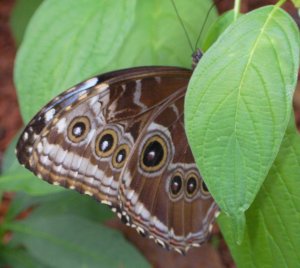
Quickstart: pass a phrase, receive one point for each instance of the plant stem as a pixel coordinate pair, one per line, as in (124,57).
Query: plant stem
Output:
(237,7)
(280,3)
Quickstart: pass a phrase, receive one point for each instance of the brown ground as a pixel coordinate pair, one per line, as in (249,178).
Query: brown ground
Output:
(10,119)
(10,123)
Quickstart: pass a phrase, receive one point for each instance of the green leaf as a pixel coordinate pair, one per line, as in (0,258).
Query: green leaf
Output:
(18,258)
(272,237)
(23,180)
(69,41)
(15,178)
(70,241)
(217,28)
(296,3)
(61,203)
(238,106)
(21,14)
(10,161)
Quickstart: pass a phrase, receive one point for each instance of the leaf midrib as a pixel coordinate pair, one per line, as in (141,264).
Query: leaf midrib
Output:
(252,52)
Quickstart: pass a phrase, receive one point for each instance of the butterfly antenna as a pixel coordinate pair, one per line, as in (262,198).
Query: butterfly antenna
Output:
(182,25)
(205,21)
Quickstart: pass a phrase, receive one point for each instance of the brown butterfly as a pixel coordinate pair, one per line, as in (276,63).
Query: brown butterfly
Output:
(120,138)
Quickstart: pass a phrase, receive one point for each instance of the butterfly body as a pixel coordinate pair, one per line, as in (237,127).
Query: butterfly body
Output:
(120,138)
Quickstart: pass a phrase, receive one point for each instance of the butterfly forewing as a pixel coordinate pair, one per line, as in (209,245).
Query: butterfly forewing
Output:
(119,137)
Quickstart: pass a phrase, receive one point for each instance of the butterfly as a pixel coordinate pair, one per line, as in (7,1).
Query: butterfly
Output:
(119,137)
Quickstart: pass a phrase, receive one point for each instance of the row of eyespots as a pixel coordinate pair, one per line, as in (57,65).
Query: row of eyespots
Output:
(191,185)
(154,152)
(105,144)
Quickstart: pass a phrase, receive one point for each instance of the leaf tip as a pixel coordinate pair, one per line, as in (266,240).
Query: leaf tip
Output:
(239,223)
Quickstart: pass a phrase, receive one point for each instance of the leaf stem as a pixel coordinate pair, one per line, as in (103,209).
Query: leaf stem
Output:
(280,3)
(236,10)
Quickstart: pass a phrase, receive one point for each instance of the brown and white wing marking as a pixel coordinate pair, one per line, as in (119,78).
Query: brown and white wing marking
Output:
(57,144)
(162,193)
(82,138)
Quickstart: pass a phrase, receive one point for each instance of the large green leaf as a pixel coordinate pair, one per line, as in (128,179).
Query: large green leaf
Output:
(272,234)
(20,16)
(70,241)
(238,106)
(63,204)
(68,41)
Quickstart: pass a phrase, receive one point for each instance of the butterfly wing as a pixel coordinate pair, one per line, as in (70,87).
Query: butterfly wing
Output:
(82,138)
(162,193)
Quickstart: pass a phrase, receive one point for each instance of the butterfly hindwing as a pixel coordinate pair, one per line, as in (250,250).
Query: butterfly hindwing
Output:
(162,191)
